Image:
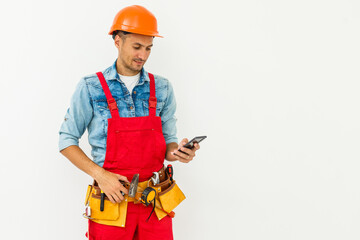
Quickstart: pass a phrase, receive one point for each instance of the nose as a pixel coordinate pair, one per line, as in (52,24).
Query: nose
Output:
(142,54)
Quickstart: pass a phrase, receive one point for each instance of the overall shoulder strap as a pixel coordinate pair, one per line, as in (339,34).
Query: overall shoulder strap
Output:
(110,100)
(152,98)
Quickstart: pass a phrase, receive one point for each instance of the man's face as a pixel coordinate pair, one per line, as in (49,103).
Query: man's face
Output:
(133,50)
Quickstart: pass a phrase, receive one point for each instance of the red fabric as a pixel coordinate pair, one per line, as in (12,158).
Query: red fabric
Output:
(134,145)
(136,226)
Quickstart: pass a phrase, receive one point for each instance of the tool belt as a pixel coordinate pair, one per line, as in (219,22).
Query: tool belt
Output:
(168,196)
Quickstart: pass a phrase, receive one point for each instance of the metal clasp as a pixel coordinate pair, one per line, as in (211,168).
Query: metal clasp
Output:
(87,213)
(155,179)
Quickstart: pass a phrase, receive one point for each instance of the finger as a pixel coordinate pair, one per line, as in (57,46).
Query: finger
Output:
(197,146)
(188,151)
(183,142)
(181,159)
(123,178)
(182,155)
(123,189)
(176,157)
(184,158)
(118,196)
(118,188)
(110,198)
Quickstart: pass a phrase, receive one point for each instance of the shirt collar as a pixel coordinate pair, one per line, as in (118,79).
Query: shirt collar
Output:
(111,74)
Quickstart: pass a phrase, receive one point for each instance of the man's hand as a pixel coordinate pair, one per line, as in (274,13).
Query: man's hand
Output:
(110,184)
(189,153)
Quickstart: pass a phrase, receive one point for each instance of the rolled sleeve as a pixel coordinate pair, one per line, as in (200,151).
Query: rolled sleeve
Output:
(168,118)
(77,118)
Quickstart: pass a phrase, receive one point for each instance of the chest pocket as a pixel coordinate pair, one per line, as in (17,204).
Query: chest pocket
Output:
(159,107)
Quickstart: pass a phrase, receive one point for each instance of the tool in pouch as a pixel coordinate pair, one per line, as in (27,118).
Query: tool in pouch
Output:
(133,185)
(149,194)
(102,200)
(170,171)
(155,179)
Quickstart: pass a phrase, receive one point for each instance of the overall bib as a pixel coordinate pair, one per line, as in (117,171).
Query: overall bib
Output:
(134,145)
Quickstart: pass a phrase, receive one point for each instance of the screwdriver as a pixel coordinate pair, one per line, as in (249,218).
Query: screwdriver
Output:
(170,171)
(102,201)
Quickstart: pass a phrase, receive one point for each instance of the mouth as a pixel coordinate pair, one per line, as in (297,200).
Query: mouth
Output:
(139,62)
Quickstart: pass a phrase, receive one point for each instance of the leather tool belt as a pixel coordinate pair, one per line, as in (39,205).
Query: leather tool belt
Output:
(168,196)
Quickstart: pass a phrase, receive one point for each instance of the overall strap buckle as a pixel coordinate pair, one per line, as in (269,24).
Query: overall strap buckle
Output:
(112,104)
(152,102)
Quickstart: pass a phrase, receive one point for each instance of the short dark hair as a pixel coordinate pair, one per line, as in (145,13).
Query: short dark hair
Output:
(121,34)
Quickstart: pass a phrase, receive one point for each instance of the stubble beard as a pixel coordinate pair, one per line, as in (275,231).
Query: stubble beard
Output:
(131,68)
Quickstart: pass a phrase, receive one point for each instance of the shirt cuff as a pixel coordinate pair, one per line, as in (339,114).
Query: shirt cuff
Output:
(172,139)
(64,143)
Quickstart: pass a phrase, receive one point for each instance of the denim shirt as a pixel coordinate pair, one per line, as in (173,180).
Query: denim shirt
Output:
(89,109)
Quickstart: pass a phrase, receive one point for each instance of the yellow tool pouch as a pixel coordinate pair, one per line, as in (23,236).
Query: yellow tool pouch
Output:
(171,197)
(114,214)
(168,197)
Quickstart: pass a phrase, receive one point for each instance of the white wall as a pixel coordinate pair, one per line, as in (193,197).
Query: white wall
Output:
(273,84)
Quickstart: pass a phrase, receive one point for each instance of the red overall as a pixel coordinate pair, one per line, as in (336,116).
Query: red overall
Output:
(134,145)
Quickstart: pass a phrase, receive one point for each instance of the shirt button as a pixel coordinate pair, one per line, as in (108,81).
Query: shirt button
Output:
(134,92)
(131,107)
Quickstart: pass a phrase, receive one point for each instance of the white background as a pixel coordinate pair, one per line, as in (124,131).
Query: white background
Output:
(273,84)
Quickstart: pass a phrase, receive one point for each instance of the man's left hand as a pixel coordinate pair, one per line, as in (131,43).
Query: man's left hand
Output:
(188,154)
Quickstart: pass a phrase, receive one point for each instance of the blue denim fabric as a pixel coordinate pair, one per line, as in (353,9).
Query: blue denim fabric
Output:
(89,109)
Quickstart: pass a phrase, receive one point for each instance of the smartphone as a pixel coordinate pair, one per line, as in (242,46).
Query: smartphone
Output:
(190,144)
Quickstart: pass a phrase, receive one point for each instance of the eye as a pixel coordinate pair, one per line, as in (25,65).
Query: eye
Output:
(148,49)
(137,47)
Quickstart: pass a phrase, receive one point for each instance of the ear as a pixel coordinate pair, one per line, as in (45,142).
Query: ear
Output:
(118,41)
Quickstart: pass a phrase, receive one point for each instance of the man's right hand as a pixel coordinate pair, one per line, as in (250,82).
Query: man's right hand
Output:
(110,184)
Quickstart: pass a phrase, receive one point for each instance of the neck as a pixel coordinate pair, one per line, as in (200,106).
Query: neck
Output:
(123,70)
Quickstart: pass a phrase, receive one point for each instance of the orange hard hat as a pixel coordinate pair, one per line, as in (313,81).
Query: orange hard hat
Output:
(135,19)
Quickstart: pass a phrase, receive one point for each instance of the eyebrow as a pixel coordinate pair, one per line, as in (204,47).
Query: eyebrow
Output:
(142,44)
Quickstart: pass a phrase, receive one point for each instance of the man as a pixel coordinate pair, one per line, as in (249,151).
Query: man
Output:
(129,115)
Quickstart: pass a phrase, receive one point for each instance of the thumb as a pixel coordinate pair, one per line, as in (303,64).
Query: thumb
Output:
(183,142)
